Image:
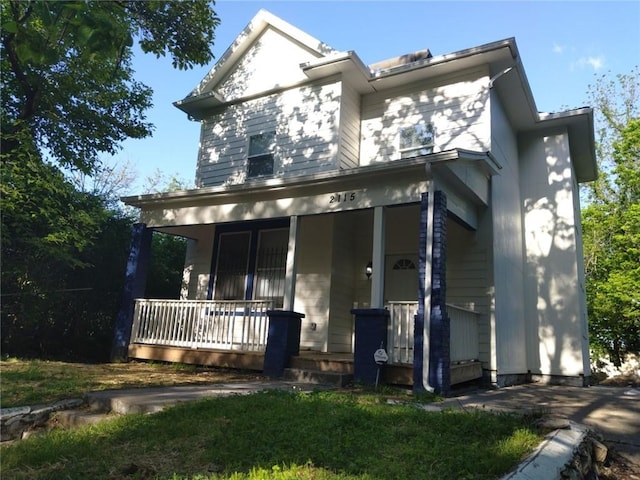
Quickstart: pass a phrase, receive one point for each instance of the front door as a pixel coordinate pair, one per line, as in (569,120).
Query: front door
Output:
(401,278)
(251,265)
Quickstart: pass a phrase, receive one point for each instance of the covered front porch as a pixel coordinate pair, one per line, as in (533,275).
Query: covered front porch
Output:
(398,239)
(234,334)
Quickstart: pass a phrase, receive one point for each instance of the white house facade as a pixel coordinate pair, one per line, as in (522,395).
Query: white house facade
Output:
(425,193)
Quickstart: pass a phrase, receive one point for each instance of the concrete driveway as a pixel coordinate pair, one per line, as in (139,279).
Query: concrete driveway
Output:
(612,411)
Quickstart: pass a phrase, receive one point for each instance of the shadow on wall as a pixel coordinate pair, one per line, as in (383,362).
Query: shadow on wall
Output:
(552,264)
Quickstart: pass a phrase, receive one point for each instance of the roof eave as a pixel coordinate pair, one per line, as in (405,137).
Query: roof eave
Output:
(187,196)
(580,127)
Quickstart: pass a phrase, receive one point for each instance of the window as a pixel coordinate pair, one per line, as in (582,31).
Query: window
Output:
(260,158)
(416,140)
(404,264)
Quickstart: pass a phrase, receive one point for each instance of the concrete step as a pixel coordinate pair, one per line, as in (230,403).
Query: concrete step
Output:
(323,363)
(317,377)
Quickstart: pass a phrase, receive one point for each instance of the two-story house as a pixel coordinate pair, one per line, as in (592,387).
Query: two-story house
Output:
(421,204)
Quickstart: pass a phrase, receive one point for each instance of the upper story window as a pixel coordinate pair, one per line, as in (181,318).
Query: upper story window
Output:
(416,140)
(260,160)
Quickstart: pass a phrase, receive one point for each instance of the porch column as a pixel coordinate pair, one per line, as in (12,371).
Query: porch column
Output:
(283,341)
(377,258)
(432,331)
(291,267)
(134,286)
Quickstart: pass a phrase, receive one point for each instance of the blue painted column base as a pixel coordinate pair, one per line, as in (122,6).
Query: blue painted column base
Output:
(283,341)
(439,374)
(371,334)
(134,286)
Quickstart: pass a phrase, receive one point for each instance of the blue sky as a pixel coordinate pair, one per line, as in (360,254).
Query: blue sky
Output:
(564,46)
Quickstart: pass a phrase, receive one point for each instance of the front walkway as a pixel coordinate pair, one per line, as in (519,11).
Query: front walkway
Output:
(612,411)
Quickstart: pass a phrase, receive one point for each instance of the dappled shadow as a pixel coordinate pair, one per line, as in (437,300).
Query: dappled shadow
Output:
(553,262)
(459,113)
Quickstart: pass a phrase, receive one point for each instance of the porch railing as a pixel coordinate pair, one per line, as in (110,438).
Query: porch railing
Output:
(464,332)
(226,325)
(400,333)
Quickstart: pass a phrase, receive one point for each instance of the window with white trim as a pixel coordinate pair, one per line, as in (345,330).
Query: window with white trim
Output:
(260,161)
(416,140)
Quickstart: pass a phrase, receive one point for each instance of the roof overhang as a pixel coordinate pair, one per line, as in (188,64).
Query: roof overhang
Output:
(463,175)
(579,124)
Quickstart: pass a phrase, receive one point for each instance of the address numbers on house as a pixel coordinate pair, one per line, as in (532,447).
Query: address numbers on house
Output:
(342,197)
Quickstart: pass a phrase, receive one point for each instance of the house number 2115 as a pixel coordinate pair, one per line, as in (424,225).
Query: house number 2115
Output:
(342,197)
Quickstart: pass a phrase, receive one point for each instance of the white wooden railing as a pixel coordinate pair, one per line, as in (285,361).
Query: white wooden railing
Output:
(226,325)
(400,332)
(464,332)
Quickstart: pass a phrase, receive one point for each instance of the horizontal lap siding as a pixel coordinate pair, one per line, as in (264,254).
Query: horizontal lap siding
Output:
(274,59)
(468,282)
(509,256)
(342,287)
(305,120)
(457,107)
(313,279)
(349,128)
(197,268)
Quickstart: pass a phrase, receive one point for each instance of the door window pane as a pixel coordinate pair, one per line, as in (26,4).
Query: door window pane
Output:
(231,267)
(271,266)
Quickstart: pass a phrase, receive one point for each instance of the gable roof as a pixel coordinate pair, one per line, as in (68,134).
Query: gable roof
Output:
(264,23)
(314,59)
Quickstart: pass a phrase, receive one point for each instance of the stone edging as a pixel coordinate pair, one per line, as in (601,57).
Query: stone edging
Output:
(16,423)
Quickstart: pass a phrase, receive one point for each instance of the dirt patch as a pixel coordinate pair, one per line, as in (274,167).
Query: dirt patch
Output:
(618,467)
(143,374)
(38,382)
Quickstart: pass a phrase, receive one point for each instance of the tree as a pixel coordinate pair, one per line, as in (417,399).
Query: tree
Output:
(67,77)
(611,222)
(69,94)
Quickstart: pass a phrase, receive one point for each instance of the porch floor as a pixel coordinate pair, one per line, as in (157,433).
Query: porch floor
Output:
(307,360)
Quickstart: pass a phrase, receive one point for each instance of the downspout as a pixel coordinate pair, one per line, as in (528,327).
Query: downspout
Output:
(428,269)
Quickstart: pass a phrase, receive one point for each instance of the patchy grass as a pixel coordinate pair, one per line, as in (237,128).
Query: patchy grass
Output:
(280,435)
(35,382)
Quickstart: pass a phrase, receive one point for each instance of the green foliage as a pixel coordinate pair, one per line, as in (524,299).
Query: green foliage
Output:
(69,94)
(611,223)
(66,70)
(166,265)
(281,435)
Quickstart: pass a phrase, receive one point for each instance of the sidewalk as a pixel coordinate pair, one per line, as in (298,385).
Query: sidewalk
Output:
(612,411)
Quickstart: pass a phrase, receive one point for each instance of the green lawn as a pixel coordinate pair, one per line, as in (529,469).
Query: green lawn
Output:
(280,435)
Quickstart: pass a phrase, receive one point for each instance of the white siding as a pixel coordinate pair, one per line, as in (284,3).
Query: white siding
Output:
(313,279)
(305,120)
(196,273)
(558,338)
(457,107)
(349,128)
(466,269)
(272,61)
(468,279)
(342,285)
(508,252)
